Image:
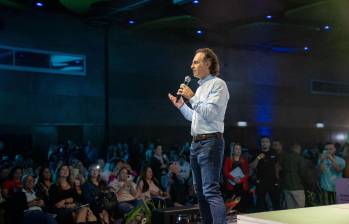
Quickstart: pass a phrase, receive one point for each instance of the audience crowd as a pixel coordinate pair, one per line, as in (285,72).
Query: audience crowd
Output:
(79,184)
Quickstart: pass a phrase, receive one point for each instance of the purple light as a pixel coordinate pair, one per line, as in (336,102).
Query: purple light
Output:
(39,4)
(306,48)
(196,2)
(131,22)
(269,17)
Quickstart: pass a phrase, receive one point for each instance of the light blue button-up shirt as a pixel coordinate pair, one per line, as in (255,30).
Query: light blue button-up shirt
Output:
(208,106)
(330,175)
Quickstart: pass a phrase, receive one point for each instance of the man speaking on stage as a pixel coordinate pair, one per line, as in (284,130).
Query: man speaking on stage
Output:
(208,106)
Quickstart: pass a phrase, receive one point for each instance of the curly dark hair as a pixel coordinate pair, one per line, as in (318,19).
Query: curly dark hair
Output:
(212,57)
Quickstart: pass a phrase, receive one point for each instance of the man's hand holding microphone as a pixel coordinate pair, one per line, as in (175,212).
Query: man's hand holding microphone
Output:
(183,91)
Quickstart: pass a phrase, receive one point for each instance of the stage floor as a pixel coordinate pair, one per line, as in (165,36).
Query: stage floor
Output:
(336,214)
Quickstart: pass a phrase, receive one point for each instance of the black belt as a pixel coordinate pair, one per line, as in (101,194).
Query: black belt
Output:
(202,137)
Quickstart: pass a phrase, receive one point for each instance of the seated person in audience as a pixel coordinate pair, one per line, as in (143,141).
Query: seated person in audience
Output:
(118,164)
(101,163)
(125,190)
(237,185)
(94,194)
(44,183)
(83,172)
(64,200)
(34,212)
(178,187)
(158,164)
(149,189)
(76,172)
(4,173)
(13,183)
(184,167)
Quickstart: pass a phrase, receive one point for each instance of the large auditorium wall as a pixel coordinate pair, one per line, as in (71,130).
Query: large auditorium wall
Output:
(271,91)
(268,90)
(46,105)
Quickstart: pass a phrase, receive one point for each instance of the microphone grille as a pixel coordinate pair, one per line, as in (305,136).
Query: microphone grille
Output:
(187,79)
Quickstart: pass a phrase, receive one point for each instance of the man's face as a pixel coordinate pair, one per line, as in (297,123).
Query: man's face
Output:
(18,174)
(95,172)
(47,173)
(277,146)
(200,66)
(237,150)
(331,149)
(158,150)
(265,144)
(29,184)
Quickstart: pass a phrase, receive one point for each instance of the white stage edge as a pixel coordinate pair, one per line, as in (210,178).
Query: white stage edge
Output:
(331,214)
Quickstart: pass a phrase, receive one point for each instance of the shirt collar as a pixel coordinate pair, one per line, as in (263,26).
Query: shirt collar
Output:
(27,191)
(207,78)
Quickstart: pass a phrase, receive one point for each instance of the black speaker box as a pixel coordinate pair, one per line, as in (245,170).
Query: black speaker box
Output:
(176,215)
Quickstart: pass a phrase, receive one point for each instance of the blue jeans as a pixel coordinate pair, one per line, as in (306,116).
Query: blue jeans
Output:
(206,158)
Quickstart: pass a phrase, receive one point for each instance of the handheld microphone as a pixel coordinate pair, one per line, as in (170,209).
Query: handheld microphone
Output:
(187,80)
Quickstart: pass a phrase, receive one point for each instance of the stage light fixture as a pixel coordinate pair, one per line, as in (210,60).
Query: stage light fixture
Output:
(242,124)
(319,125)
(39,4)
(341,136)
(199,32)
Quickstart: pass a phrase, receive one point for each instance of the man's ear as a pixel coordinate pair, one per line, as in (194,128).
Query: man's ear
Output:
(208,63)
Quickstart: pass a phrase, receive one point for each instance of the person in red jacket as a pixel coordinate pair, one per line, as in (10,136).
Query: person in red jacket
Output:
(236,173)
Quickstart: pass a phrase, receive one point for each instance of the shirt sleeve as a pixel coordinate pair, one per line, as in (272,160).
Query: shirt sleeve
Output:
(187,112)
(341,163)
(227,169)
(115,185)
(217,97)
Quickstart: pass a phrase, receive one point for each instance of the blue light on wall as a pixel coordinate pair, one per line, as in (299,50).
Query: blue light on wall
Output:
(277,48)
(264,114)
(284,49)
(264,131)
(306,48)
(39,4)
(264,95)
(199,32)
(327,28)
(196,2)
(269,17)
(131,22)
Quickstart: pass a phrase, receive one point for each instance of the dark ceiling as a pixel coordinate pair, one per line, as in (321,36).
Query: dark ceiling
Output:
(234,23)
